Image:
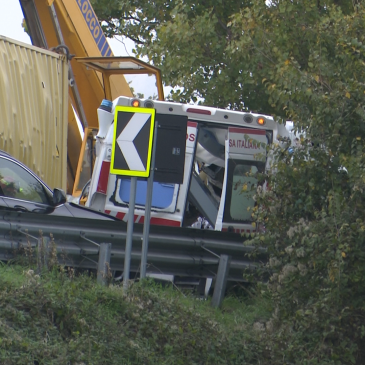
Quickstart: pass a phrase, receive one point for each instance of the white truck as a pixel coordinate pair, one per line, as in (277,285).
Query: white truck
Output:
(224,151)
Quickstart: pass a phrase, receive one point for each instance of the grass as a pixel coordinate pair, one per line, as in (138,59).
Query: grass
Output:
(63,318)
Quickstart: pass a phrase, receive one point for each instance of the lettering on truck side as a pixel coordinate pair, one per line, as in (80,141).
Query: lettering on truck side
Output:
(242,144)
(190,137)
(191,134)
(95,29)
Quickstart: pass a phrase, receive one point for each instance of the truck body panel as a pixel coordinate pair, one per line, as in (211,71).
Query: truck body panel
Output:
(225,150)
(34,86)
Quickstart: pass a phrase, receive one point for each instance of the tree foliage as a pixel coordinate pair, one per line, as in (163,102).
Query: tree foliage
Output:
(314,212)
(194,44)
(190,42)
(301,61)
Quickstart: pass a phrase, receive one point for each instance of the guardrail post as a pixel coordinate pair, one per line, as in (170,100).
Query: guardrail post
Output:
(221,280)
(104,263)
(43,253)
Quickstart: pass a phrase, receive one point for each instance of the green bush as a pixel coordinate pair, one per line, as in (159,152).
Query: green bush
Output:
(314,211)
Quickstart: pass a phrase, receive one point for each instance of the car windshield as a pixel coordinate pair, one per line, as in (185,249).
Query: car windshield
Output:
(16,182)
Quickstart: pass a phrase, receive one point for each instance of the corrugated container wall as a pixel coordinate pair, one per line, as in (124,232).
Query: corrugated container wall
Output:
(34,106)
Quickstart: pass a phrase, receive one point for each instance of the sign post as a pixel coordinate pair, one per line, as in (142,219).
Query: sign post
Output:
(167,166)
(131,156)
(147,213)
(128,243)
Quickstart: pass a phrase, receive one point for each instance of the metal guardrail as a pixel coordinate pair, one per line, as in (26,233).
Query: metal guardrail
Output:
(172,250)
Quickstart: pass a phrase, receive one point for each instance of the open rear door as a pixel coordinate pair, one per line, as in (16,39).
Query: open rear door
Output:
(245,156)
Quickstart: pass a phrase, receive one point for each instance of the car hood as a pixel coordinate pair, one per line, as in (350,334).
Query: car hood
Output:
(79,211)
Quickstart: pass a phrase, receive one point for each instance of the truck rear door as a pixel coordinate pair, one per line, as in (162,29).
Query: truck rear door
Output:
(245,157)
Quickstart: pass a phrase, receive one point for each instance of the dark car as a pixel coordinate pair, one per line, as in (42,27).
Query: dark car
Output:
(22,190)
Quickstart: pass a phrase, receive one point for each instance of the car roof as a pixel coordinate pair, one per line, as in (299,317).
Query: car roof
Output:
(9,156)
(5,153)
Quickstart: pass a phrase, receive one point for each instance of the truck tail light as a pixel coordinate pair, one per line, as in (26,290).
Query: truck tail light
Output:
(261,121)
(198,111)
(136,103)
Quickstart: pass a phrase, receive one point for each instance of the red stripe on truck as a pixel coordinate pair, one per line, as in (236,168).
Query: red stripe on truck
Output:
(140,219)
(160,221)
(247,131)
(103,177)
(165,222)
(120,215)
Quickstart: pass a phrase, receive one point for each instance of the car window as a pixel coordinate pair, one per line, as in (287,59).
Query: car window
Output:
(16,182)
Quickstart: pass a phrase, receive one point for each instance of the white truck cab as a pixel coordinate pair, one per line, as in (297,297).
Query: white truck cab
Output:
(224,151)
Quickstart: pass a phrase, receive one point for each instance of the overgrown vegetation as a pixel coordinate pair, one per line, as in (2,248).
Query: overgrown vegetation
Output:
(314,213)
(62,318)
(302,61)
